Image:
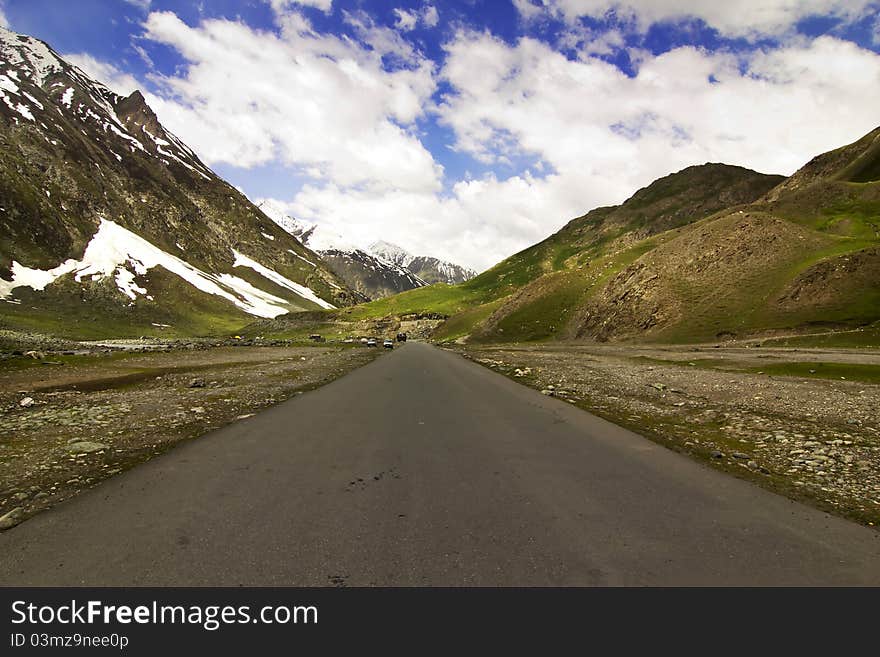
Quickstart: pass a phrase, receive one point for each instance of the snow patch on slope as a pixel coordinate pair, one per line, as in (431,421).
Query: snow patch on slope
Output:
(116,251)
(18,49)
(310,234)
(242,260)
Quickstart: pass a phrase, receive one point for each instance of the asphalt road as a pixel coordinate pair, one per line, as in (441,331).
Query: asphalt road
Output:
(422,468)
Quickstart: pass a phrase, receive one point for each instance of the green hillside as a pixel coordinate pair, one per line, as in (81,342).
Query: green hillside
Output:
(710,252)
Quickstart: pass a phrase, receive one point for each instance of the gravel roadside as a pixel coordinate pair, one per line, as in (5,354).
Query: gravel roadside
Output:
(815,440)
(67,422)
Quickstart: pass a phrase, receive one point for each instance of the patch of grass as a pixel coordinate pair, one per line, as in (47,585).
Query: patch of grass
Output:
(860,338)
(439,298)
(463,323)
(549,311)
(863,372)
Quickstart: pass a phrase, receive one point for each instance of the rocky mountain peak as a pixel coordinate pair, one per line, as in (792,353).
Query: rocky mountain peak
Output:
(136,115)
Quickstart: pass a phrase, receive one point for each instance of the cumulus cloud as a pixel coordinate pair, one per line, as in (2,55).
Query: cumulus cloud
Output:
(686,106)
(406,20)
(430,16)
(113,78)
(731,17)
(322,103)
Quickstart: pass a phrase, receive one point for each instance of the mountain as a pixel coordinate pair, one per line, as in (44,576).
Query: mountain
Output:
(429,269)
(111,225)
(710,252)
(370,276)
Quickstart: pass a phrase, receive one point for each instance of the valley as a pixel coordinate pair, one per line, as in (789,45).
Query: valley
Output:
(728,315)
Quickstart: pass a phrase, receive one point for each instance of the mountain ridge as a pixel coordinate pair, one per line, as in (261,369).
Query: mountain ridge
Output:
(83,168)
(377,271)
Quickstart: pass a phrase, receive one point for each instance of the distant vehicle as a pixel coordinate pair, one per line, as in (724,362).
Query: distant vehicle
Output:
(401,337)
(388,344)
(314,337)
(364,341)
(371,342)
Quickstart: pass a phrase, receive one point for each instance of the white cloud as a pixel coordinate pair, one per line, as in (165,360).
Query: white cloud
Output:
(318,102)
(406,20)
(4,22)
(430,16)
(105,73)
(731,17)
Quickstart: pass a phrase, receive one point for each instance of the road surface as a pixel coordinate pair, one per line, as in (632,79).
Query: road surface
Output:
(422,468)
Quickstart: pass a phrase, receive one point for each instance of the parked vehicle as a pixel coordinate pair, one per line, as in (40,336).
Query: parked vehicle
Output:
(388,344)
(371,342)
(401,337)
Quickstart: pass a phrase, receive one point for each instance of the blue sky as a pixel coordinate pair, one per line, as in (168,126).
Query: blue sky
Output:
(470,129)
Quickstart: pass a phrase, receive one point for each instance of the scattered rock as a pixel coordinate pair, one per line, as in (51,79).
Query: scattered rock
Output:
(27,402)
(740,455)
(716,454)
(197,383)
(12,518)
(86,447)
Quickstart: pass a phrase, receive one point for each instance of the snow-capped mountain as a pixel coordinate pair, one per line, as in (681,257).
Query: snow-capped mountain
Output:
(108,222)
(429,269)
(364,272)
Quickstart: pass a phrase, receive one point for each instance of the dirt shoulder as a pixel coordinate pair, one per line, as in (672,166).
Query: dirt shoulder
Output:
(69,421)
(804,423)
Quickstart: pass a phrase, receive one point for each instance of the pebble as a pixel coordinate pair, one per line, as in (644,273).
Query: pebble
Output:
(11,519)
(85,447)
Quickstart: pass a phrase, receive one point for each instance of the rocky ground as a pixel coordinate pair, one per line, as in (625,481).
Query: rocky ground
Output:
(71,418)
(813,439)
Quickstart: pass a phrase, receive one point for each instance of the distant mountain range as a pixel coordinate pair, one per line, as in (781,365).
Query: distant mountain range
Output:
(111,225)
(379,270)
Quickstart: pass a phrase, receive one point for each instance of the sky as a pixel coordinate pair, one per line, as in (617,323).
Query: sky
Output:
(471,129)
